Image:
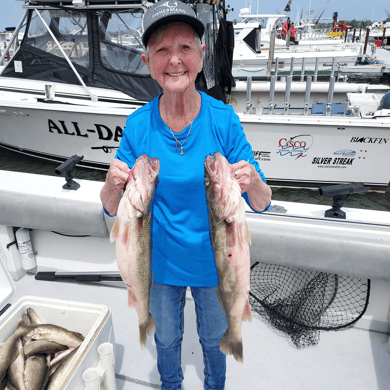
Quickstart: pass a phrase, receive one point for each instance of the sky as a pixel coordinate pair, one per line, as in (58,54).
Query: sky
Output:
(11,11)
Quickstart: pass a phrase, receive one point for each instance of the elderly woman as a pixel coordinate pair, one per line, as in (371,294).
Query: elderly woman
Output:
(181,127)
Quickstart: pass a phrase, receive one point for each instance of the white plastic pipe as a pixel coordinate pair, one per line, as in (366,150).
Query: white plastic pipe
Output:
(91,379)
(107,363)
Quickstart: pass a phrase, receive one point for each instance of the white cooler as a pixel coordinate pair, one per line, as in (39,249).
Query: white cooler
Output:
(93,321)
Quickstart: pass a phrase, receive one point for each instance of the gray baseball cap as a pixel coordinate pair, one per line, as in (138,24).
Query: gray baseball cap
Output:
(168,11)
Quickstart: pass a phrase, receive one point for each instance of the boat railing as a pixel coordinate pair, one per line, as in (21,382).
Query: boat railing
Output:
(303,72)
(327,108)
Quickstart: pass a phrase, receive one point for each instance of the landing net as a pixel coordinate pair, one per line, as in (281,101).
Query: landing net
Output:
(299,303)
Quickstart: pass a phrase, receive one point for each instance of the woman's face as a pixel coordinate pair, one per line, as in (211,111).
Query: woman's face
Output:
(174,57)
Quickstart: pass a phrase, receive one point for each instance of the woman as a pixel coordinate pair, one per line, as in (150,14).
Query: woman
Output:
(285,28)
(293,32)
(181,127)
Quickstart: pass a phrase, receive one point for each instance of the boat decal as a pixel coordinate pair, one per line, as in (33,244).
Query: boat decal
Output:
(103,132)
(296,146)
(337,64)
(369,140)
(105,148)
(332,162)
(345,153)
(261,156)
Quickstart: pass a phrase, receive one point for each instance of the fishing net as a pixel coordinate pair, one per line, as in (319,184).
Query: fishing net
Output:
(299,303)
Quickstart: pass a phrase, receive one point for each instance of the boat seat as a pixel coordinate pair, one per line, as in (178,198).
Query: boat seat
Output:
(335,109)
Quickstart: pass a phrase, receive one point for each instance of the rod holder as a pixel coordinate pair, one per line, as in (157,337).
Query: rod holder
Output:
(303,69)
(307,96)
(292,66)
(276,67)
(271,105)
(287,94)
(316,69)
(107,363)
(67,168)
(339,194)
(248,94)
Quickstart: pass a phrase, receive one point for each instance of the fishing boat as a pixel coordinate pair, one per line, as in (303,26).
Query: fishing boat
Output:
(256,43)
(78,74)
(65,264)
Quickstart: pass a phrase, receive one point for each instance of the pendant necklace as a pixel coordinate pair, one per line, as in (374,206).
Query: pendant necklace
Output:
(189,131)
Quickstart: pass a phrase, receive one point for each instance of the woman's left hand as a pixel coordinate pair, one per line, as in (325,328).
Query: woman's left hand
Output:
(243,173)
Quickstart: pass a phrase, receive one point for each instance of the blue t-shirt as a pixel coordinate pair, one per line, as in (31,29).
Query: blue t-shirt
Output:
(181,243)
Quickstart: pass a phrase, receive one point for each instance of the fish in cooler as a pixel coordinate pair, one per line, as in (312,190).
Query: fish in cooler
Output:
(132,234)
(231,241)
(28,366)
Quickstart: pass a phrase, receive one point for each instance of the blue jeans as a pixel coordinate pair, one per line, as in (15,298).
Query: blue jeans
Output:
(167,308)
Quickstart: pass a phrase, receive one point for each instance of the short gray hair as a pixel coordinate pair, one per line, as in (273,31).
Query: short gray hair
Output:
(159,33)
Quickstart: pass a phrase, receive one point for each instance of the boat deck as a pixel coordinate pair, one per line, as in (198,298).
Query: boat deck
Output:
(353,359)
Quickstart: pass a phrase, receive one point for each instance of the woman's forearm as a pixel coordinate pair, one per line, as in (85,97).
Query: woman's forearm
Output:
(259,193)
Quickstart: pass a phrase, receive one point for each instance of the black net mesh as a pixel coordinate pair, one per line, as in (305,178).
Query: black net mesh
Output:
(299,303)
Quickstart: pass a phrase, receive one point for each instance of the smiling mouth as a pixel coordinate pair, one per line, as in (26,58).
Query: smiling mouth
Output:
(175,74)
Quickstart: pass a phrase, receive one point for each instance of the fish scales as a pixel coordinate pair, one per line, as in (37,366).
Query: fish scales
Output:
(9,351)
(231,240)
(36,372)
(132,233)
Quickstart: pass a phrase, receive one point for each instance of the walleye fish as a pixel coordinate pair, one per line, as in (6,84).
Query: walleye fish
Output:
(9,351)
(36,372)
(32,315)
(132,233)
(42,346)
(16,369)
(57,375)
(231,240)
(53,333)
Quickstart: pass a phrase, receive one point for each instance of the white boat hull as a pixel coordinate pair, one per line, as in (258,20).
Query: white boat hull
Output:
(332,149)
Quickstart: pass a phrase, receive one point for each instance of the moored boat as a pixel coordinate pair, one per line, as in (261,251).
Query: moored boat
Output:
(78,75)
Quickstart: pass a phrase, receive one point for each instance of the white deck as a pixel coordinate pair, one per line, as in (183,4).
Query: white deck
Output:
(350,359)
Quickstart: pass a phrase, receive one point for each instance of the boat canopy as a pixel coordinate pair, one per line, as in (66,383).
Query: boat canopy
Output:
(102,39)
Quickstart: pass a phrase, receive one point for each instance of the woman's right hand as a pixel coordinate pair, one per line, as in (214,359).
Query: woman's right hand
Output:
(114,186)
(117,175)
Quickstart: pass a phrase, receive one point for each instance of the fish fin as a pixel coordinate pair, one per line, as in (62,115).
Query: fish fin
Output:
(247,312)
(146,329)
(115,230)
(228,347)
(131,298)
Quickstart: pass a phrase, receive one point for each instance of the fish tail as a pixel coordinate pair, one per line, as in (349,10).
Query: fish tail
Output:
(146,329)
(247,312)
(228,347)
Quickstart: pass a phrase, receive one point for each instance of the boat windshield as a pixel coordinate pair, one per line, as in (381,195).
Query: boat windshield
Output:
(120,41)
(70,30)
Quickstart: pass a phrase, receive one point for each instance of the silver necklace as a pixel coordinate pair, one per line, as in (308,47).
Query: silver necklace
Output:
(189,131)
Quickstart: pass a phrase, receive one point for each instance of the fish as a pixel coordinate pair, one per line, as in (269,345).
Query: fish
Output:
(16,369)
(60,356)
(32,315)
(9,350)
(231,241)
(132,234)
(36,372)
(53,333)
(58,373)
(42,346)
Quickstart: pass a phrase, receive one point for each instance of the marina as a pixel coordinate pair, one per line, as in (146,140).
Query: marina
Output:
(320,272)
